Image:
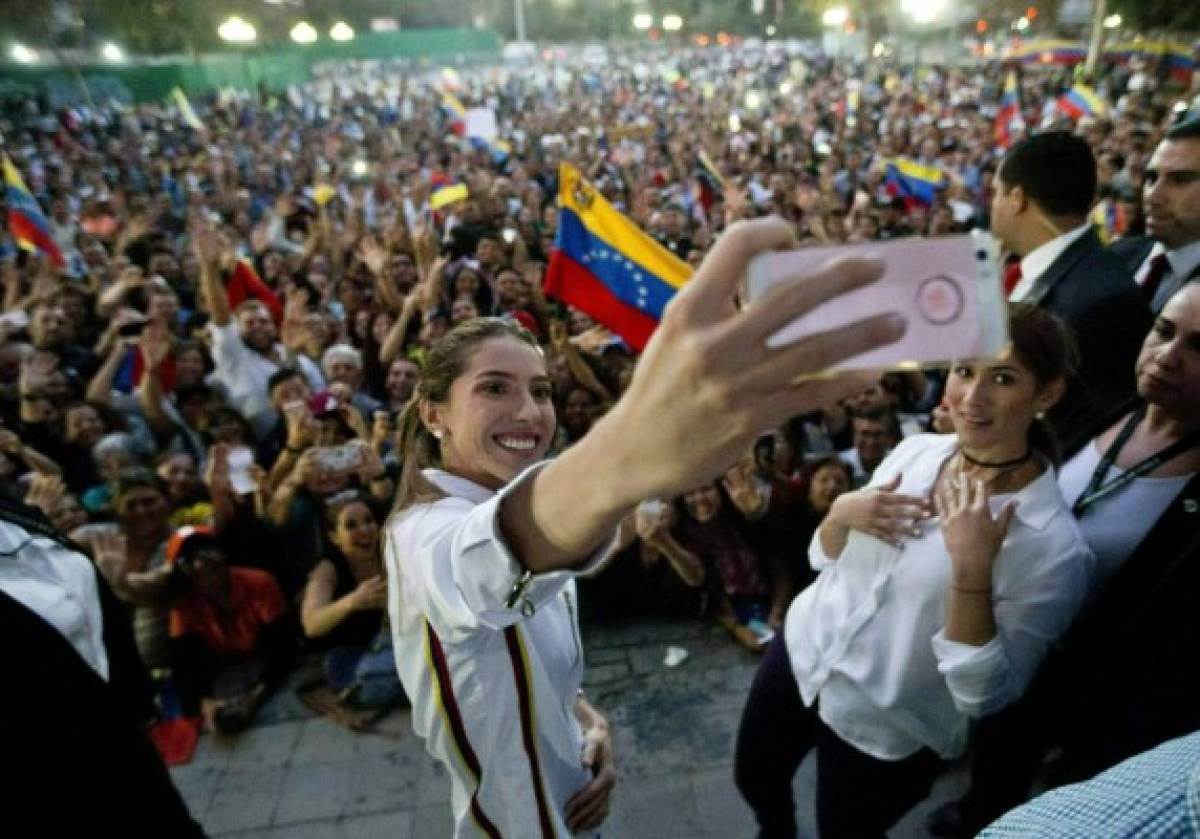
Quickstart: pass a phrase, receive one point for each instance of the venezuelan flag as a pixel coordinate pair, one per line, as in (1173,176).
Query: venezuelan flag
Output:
(913,181)
(1009,113)
(1081,101)
(25,219)
(456,112)
(607,266)
(1050,52)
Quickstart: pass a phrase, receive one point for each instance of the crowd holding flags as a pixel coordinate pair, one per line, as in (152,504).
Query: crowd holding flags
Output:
(607,266)
(25,218)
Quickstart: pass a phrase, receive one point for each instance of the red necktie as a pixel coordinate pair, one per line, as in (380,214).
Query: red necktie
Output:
(1154,277)
(1012,276)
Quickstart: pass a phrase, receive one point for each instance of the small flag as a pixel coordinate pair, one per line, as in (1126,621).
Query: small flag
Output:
(448,195)
(1081,101)
(185,109)
(1009,115)
(456,112)
(25,219)
(607,266)
(913,181)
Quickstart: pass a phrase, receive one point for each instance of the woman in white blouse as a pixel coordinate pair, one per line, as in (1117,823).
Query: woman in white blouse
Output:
(486,539)
(941,587)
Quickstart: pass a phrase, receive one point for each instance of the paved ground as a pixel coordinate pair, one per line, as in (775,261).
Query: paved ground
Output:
(299,776)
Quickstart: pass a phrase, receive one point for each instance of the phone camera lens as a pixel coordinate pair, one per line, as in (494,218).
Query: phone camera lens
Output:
(981,255)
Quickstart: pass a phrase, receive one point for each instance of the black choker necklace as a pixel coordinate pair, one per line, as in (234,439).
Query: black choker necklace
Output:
(1002,465)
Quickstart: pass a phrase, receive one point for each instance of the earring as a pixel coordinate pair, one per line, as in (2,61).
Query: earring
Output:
(1041,415)
(437,432)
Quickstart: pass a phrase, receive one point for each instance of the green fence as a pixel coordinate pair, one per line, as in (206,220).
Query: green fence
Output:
(153,79)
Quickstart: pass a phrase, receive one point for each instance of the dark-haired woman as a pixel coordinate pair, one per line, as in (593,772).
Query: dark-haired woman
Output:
(343,607)
(916,624)
(486,538)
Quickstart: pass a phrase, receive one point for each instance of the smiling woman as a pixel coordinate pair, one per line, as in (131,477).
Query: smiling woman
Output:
(487,536)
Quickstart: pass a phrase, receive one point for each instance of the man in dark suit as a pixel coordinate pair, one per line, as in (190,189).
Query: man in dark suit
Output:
(1045,189)
(1169,255)
(76,704)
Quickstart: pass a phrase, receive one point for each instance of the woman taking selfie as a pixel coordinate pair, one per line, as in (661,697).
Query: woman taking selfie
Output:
(916,623)
(485,539)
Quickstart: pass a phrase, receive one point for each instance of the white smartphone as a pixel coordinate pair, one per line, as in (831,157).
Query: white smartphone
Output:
(240,461)
(948,290)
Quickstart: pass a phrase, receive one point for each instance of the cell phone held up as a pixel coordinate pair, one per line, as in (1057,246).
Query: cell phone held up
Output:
(947,289)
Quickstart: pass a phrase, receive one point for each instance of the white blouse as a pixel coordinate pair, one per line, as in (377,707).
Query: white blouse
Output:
(491,659)
(867,638)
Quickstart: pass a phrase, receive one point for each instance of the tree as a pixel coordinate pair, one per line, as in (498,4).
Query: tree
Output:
(1162,15)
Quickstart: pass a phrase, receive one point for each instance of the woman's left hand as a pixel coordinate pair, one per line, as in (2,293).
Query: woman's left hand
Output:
(588,808)
(972,536)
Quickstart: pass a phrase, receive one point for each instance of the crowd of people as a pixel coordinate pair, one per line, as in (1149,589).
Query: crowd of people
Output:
(218,397)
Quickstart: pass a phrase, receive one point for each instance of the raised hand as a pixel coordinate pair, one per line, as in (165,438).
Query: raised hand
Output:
(881,512)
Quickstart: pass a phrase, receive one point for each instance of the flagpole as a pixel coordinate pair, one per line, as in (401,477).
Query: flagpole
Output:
(1097,39)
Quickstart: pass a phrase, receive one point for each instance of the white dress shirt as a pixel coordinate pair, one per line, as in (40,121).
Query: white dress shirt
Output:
(1035,263)
(59,585)
(460,603)
(1181,262)
(867,639)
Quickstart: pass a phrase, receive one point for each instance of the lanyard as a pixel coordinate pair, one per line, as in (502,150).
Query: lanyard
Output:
(1097,488)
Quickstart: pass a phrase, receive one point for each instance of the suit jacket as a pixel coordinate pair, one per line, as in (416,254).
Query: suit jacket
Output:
(1133,252)
(73,747)
(1132,659)
(1093,292)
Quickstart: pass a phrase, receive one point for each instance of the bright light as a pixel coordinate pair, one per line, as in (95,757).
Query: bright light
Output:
(359,168)
(24,54)
(112,52)
(735,123)
(237,31)
(771,31)
(672,23)
(643,21)
(753,100)
(1112,22)
(923,11)
(837,16)
(341,31)
(304,33)
(879,50)
(785,88)
(1021,24)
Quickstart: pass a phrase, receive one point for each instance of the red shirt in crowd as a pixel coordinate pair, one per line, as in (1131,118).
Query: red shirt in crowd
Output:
(257,602)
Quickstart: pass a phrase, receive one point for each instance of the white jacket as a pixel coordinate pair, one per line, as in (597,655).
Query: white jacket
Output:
(491,659)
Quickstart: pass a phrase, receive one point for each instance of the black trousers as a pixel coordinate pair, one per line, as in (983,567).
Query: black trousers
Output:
(857,795)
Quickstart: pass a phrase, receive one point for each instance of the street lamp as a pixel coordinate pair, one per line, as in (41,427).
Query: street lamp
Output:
(672,23)
(112,52)
(237,31)
(23,54)
(923,11)
(341,31)
(643,21)
(304,33)
(1112,22)
(835,17)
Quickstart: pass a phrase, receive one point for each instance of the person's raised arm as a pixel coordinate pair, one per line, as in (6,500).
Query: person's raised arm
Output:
(99,389)
(706,386)
(320,613)
(210,248)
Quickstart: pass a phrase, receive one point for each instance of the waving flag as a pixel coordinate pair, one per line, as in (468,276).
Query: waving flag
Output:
(913,181)
(186,112)
(1081,101)
(25,219)
(607,266)
(456,113)
(1051,52)
(1009,115)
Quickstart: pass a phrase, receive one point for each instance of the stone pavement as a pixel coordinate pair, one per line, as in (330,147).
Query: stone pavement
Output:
(299,776)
